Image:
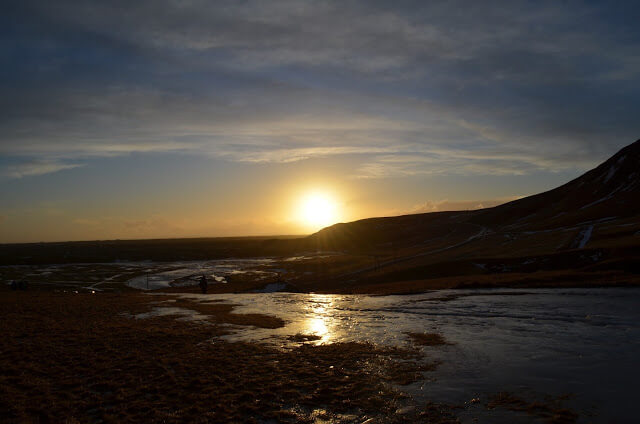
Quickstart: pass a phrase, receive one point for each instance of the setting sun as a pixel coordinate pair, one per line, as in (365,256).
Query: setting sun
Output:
(317,210)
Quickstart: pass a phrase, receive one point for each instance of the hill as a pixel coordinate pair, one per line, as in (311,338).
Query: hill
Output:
(589,225)
(585,232)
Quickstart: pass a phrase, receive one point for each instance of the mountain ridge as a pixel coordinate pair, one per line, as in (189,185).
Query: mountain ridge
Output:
(589,224)
(584,232)
(581,199)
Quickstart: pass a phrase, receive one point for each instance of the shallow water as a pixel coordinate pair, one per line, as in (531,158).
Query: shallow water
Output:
(585,342)
(159,275)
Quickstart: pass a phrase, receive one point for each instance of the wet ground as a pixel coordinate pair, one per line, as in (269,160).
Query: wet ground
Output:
(581,345)
(156,276)
(145,275)
(537,345)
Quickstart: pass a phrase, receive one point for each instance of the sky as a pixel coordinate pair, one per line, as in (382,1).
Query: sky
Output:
(153,119)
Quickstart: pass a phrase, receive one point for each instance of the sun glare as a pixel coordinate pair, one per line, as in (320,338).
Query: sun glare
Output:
(318,210)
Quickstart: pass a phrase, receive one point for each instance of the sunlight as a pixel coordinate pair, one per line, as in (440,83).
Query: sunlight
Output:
(318,318)
(317,210)
(317,327)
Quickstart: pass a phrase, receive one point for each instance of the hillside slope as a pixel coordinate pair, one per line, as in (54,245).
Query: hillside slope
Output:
(589,224)
(584,232)
(610,190)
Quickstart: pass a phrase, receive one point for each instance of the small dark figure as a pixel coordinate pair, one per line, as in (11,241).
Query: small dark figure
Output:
(14,285)
(203,284)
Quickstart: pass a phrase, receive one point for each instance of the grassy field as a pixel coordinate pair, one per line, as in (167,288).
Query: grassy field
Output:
(85,358)
(107,357)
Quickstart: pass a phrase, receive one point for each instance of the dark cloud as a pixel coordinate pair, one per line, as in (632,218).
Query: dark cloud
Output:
(502,87)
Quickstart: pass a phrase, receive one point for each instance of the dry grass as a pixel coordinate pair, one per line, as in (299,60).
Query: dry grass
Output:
(549,279)
(550,410)
(303,338)
(428,339)
(78,358)
(222,313)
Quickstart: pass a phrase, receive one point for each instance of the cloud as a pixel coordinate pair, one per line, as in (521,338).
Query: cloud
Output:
(460,205)
(362,36)
(169,225)
(486,159)
(151,226)
(297,154)
(411,89)
(29,169)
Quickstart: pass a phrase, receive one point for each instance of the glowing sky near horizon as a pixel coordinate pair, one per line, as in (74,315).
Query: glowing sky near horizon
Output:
(183,119)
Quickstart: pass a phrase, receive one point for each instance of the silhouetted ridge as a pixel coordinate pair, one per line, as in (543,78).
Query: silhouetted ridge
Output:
(609,191)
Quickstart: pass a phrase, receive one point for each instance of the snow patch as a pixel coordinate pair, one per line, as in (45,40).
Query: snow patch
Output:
(586,235)
(598,201)
(611,172)
(614,168)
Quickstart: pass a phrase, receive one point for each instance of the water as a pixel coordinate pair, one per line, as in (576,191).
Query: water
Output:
(159,275)
(584,342)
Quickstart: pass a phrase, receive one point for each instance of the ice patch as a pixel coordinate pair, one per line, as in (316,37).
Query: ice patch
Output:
(163,275)
(555,341)
(161,311)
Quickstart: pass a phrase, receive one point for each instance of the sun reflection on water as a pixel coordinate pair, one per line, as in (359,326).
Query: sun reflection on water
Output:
(319,321)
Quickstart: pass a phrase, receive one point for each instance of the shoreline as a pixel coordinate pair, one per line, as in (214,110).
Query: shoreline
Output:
(81,358)
(87,358)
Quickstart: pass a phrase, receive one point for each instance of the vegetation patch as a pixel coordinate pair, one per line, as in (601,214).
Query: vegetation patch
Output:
(303,338)
(428,339)
(221,313)
(550,409)
(77,358)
